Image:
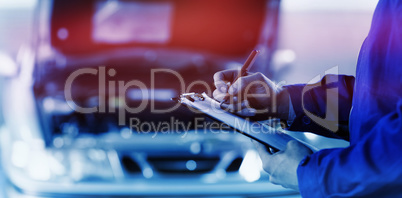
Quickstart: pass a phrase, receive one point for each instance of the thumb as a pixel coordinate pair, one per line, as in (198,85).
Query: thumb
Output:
(223,78)
(262,150)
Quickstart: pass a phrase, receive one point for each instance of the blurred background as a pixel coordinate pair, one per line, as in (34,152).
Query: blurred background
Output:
(319,34)
(313,36)
(323,34)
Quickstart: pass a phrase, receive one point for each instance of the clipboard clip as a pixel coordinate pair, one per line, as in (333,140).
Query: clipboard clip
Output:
(189,96)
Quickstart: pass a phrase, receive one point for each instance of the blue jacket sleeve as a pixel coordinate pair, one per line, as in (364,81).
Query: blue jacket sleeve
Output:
(369,168)
(331,91)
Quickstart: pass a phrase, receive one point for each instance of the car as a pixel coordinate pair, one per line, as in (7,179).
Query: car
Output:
(89,110)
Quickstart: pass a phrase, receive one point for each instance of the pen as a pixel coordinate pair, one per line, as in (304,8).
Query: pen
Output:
(244,69)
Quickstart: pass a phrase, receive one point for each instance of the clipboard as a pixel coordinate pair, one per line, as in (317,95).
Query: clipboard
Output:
(275,138)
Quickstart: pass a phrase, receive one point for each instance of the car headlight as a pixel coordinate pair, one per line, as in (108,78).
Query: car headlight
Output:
(46,164)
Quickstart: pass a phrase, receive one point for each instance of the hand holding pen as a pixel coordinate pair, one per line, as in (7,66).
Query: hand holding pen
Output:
(244,70)
(246,93)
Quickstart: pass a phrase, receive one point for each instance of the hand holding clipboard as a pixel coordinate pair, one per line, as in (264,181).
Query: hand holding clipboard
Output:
(271,137)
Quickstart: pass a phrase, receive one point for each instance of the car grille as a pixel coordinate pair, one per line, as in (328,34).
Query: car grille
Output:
(182,165)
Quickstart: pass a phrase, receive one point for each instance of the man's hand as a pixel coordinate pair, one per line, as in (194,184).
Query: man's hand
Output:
(282,166)
(254,91)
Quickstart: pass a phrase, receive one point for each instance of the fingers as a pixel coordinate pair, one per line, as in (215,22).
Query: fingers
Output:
(256,88)
(256,83)
(282,166)
(234,105)
(222,86)
(241,83)
(294,147)
(269,161)
(262,150)
(223,79)
(218,95)
(242,108)
(229,100)
(247,112)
